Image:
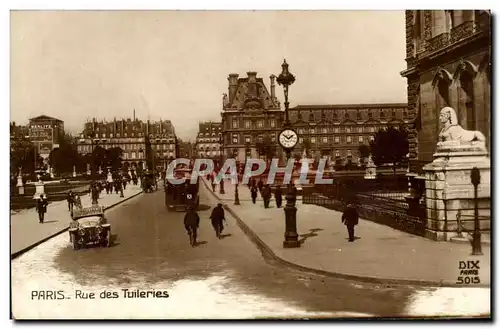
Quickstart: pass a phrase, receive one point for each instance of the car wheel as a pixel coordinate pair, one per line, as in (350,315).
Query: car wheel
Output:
(108,238)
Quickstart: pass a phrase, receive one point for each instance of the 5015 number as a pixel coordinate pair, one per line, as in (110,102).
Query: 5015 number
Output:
(468,280)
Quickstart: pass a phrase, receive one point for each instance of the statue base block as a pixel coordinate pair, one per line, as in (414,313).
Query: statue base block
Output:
(449,192)
(39,190)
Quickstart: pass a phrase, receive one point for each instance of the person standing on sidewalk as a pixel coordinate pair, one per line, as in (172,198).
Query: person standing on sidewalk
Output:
(71,200)
(41,207)
(350,218)
(260,185)
(218,217)
(253,193)
(278,195)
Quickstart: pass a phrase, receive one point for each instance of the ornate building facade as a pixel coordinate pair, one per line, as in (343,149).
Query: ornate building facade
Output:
(250,114)
(45,133)
(337,131)
(208,140)
(448,55)
(141,142)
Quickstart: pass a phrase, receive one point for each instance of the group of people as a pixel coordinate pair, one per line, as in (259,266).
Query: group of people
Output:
(192,221)
(266,192)
(73,200)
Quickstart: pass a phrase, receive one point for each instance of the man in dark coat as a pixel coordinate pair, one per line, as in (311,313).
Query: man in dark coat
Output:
(191,223)
(266,195)
(253,193)
(217,218)
(350,218)
(71,199)
(41,207)
(278,195)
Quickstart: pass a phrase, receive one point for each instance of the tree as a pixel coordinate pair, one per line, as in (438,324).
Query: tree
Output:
(390,146)
(23,155)
(114,158)
(65,157)
(364,151)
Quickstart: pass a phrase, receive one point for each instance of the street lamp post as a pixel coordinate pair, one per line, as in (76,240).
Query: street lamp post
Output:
(475,177)
(221,184)
(92,165)
(289,140)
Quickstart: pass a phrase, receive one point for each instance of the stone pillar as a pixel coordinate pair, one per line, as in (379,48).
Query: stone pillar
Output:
(449,191)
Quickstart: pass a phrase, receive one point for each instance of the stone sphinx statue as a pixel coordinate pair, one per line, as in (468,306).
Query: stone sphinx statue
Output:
(452,134)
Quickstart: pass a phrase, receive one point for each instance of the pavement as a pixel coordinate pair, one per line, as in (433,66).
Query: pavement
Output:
(379,254)
(26,232)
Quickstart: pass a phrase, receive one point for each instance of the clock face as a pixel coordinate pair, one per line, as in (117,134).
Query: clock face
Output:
(288,138)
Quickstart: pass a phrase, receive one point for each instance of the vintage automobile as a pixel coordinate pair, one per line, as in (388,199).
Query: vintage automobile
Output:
(179,196)
(89,227)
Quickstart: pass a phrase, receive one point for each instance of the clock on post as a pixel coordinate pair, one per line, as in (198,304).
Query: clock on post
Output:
(288,138)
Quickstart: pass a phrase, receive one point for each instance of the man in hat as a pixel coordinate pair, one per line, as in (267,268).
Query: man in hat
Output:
(350,218)
(191,224)
(41,207)
(217,218)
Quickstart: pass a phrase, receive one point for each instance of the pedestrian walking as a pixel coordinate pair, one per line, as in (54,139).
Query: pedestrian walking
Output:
(218,217)
(41,207)
(191,224)
(253,193)
(78,202)
(266,195)
(350,218)
(71,199)
(278,195)
(260,185)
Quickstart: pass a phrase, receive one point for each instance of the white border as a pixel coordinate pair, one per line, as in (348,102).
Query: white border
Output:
(199,5)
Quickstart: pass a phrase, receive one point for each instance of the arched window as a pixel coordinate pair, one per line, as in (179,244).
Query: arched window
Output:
(444,93)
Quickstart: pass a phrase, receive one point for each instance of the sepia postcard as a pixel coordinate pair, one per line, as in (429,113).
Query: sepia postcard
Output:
(250,164)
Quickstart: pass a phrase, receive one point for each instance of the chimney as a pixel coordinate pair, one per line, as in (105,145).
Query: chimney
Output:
(233,86)
(252,83)
(273,87)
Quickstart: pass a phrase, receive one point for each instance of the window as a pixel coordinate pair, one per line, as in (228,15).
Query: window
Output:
(349,153)
(313,140)
(360,129)
(235,139)
(372,129)
(301,131)
(358,115)
(382,114)
(260,124)
(336,130)
(273,123)
(311,117)
(349,139)
(337,154)
(235,123)
(248,124)
(337,139)
(312,131)
(324,130)
(360,139)
(372,138)
(248,139)
(273,138)
(133,155)
(301,140)
(325,140)
(348,129)
(394,113)
(370,114)
(260,138)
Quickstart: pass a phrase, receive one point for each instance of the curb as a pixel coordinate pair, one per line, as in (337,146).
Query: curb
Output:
(28,248)
(268,252)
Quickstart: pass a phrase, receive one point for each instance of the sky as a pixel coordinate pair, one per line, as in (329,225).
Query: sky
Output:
(76,65)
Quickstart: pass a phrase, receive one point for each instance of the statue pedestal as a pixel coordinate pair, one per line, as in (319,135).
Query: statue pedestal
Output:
(449,190)
(20,186)
(39,189)
(370,171)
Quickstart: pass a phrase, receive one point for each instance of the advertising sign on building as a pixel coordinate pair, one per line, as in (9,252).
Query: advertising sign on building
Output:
(41,134)
(45,148)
